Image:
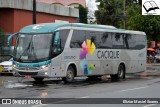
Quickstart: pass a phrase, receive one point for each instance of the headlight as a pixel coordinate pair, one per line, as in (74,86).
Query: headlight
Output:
(45,73)
(14,65)
(44,66)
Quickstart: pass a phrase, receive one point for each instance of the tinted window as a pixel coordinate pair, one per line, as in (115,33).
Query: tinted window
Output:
(63,36)
(77,38)
(117,39)
(140,41)
(105,40)
(129,41)
(94,37)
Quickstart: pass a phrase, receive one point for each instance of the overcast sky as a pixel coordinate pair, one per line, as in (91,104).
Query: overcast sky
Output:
(91,4)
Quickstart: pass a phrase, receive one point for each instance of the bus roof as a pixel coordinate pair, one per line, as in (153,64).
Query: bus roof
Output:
(51,27)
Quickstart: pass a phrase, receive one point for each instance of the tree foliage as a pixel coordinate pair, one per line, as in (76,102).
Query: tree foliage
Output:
(110,12)
(106,12)
(82,14)
(148,23)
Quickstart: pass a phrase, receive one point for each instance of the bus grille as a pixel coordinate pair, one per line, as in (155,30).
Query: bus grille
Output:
(24,68)
(28,73)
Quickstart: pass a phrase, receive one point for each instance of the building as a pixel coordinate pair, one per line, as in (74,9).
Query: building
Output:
(16,14)
(66,3)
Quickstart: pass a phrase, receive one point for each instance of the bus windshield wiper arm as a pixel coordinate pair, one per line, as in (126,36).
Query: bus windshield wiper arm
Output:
(34,53)
(25,49)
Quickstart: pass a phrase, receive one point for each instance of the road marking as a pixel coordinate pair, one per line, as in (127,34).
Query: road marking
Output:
(149,105)
(133,89)
(84,97)
(39,105)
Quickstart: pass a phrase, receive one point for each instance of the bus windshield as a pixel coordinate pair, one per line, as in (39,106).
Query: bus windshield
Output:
(32,47)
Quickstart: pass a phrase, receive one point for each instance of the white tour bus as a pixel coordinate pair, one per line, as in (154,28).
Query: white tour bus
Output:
(71,50)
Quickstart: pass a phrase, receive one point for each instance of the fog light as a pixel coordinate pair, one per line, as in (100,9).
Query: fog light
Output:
(45,73)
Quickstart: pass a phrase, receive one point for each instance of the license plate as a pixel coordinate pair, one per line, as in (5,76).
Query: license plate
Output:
(27,76)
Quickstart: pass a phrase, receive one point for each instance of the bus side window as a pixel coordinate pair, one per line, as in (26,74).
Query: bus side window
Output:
(105,40)
(93,36)
(63,37)
(78,37)
(130,41)
(140,41)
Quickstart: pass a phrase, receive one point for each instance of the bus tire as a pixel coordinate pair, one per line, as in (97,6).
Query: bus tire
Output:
(120,74)
(69,76)
(38,79)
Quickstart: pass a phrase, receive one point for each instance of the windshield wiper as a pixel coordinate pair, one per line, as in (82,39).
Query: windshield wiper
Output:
(26,49)
(32,50)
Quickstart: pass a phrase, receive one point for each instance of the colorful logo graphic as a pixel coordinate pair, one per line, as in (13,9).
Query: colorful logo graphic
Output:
(88,47)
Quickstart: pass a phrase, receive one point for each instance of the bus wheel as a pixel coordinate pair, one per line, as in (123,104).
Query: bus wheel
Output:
(38,79)
(120,74)
(70,75)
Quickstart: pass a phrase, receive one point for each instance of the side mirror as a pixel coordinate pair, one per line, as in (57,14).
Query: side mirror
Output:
(10,38)
(11,49)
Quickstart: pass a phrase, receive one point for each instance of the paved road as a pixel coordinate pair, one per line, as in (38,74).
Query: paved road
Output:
(141,85)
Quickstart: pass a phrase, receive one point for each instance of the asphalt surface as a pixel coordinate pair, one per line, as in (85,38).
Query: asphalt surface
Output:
(140,85)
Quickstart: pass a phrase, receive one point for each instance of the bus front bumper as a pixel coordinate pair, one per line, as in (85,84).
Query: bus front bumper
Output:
(32,73)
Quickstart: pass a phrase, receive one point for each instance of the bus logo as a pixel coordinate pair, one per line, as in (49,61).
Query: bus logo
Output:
(88,47)
(36,27)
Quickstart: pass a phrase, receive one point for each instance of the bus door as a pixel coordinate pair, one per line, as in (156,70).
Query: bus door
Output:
(56,61)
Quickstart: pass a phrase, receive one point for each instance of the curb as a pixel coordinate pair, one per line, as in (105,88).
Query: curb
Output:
(153,64)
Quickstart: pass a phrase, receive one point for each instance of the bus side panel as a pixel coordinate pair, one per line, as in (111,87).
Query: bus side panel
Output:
(132,66)
(107,66)
(88,66)
(93,67)
(71,56)
(142,60)
(141,65)
(56,66)
(130,58)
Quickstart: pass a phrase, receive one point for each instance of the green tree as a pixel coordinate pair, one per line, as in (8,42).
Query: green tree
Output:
(82,14)
(106,13)
(110,12)
(147,23)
